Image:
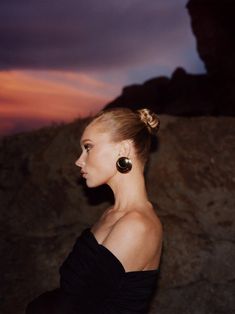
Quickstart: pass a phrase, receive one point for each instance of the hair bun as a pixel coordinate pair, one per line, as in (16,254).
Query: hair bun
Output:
(150,119)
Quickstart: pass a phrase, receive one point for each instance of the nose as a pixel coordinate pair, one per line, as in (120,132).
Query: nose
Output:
(80,162)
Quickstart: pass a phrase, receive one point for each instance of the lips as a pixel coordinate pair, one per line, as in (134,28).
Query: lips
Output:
(83,174)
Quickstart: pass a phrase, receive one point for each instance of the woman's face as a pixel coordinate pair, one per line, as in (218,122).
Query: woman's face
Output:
(99,156)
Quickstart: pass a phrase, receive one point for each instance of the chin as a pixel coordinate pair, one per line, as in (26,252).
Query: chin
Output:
(91,185)
(94,184)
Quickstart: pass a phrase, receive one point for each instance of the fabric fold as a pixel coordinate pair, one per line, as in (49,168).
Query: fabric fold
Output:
(93,281)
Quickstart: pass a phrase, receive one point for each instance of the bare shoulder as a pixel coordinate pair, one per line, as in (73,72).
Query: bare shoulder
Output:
(135,239)
(136,223)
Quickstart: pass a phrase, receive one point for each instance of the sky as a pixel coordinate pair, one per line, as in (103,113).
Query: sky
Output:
(63,59)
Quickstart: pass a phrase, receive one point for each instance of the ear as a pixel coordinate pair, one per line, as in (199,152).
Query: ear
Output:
(126,148)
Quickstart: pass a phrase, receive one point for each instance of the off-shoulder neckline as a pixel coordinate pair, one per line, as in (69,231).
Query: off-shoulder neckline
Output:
(149,271)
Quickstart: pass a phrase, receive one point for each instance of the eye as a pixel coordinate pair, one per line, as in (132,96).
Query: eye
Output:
(87,147)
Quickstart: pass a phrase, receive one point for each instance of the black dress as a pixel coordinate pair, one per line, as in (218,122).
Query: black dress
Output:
(93,281)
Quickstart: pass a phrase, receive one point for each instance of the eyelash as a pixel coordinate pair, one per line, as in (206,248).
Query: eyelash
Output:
(87,147)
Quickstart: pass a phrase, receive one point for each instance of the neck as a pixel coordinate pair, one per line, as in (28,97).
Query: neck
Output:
(129,190)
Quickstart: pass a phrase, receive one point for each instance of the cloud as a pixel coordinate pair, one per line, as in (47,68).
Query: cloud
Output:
(63,58)
(91,34)
(30,99)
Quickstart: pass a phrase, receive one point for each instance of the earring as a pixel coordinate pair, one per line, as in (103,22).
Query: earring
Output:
(124,164)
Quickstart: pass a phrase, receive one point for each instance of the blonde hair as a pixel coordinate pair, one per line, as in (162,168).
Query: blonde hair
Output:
(124,123)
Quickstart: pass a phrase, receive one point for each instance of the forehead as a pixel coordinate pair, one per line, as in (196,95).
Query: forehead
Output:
(94,133)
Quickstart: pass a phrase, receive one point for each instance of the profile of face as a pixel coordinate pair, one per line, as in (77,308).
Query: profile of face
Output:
(99,155)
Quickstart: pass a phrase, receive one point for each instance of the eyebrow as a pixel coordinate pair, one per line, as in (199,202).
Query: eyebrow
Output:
(85,140)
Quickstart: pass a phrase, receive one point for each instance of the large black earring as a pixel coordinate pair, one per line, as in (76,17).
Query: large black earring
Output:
(124,164)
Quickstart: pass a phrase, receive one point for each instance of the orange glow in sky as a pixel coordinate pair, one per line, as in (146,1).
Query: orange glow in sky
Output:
(48,96)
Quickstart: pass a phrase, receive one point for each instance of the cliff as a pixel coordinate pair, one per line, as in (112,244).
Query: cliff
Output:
(191,182)
(213,26)
(185,94)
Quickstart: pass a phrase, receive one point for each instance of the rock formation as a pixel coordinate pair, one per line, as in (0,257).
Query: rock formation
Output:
(191,182)
(214,28)
(183,94)
(186,94)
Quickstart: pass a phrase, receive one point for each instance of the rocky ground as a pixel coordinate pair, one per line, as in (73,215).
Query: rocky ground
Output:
(191,182)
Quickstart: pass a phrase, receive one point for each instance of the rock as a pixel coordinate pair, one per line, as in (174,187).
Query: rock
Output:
(186,94)
(183,94)
(213,25)
(190,180)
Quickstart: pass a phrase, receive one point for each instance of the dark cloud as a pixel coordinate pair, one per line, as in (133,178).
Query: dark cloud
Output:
(85,34)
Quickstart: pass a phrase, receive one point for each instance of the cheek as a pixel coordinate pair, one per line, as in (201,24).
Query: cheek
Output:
(106,165)
(101,173)
(103,162)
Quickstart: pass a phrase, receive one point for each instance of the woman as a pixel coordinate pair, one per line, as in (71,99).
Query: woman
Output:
(114,264)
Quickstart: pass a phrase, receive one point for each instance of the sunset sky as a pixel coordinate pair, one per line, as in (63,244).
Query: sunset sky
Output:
(61,59)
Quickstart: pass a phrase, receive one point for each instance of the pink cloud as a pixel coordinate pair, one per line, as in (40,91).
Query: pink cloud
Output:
(45,96)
